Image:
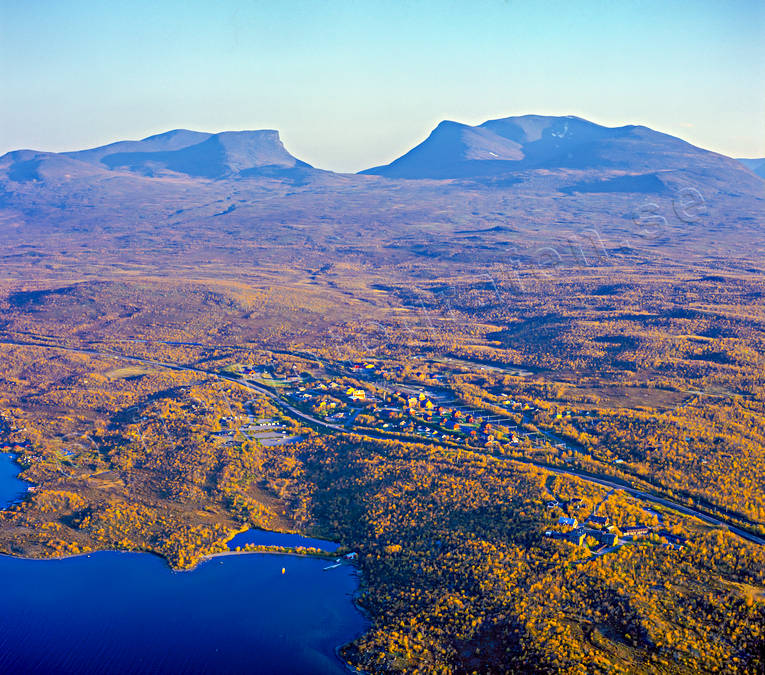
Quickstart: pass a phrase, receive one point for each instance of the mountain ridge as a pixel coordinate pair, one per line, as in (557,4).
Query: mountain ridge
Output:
(179,151)
(531,155)
(532,142)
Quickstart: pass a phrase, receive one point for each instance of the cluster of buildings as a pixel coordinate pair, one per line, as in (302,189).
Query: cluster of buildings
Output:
(412,410)
(266,431)
(265,373)
(364,366)
(332,398)
(594,528)
(16,446)
(598,531)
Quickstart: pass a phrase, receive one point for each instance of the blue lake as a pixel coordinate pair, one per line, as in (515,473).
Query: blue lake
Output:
(128,612)
(112,612)
(265,538)
(11,488)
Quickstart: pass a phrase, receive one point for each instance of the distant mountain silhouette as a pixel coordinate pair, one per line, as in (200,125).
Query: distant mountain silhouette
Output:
(191,153)
(571,154)
(534,142)
(756,166)
(530,173)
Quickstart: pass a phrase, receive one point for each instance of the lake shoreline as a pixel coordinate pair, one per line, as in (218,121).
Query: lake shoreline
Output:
(336,650)
(23,486)
(175,570)
(361,610)
(224,554)
(307,551)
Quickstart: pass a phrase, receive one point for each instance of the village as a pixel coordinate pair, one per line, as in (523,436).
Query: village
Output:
(368,398)
(365,397)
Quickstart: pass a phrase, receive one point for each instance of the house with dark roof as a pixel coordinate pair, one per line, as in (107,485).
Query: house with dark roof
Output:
(601,521)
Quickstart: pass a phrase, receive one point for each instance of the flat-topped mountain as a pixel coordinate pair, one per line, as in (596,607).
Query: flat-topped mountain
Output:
(191,153)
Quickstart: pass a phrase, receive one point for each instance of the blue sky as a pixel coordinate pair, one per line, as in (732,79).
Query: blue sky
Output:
(355,84)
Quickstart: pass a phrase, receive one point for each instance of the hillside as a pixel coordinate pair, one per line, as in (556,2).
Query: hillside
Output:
(531,402)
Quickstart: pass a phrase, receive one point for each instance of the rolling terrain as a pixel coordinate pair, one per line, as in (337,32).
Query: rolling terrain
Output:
(519,371)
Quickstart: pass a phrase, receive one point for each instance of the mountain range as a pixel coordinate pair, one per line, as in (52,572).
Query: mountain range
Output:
(465,191)
(453,150)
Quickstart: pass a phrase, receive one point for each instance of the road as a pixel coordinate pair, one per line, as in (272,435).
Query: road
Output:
(598,480)
(649,497)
